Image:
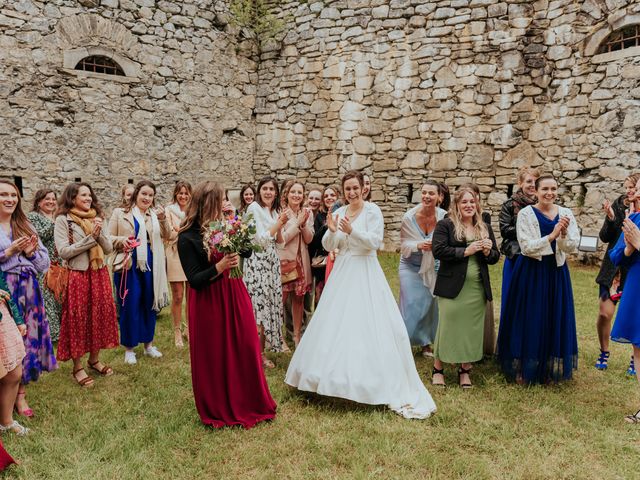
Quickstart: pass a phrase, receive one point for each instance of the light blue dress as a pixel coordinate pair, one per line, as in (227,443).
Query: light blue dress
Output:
(418,306)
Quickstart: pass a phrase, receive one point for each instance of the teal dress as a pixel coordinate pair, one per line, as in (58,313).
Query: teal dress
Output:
(52,309)
(460,334)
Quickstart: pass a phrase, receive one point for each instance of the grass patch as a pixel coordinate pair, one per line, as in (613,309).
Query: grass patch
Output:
(141,423)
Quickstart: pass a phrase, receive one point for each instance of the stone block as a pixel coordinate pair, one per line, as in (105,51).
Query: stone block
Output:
(363,145)
(414,160)
(477,157)
(444,162)
(521,155)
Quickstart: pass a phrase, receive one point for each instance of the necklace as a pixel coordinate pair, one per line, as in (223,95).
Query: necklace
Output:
(354,214)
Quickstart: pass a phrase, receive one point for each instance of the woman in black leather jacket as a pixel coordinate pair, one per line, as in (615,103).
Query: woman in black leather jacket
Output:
(523,197)
(611,278)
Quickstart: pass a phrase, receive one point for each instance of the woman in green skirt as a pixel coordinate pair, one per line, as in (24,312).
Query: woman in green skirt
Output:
(465,246)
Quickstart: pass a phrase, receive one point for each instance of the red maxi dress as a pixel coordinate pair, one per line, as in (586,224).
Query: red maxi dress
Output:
(229,385)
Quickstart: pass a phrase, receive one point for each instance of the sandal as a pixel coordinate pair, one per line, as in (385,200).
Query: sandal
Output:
(27,412)
(427,351)
(266,363)
(631,371)
(83,382)
(177,338)
(15,427)
(105,371)
(435,371)
(603,360)
(462,371)
(635,418)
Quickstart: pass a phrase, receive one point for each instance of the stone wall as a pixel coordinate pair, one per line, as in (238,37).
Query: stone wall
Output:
(461,90)
(184,109)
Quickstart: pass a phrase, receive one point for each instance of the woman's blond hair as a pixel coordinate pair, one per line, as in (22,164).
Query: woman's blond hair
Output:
(480,230)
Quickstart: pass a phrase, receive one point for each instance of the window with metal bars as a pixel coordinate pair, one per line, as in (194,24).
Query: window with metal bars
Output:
(626,37)
(100,64)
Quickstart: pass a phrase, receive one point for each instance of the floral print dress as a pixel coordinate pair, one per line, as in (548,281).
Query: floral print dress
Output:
(53,310)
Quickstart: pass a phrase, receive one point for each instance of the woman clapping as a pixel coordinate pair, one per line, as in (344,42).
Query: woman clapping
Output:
(88,313)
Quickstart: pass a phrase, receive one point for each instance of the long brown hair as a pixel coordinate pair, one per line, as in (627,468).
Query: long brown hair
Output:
(276,201)
(136,191)
(205,205)
(243,204)
(123,201)
(180,184)
(39,196)
(68,197)
(480,230)
(20,224)
(337,191)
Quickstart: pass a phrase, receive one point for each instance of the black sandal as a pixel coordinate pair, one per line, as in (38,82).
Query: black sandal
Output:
(462,371)
(436,371)
(635,418)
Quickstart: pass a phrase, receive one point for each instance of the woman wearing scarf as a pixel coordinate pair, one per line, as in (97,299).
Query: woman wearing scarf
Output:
(88,312)
(524,196)
(140,274)
(175,215)
(417,270)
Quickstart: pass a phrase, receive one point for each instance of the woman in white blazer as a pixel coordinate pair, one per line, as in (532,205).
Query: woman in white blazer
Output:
(537,340)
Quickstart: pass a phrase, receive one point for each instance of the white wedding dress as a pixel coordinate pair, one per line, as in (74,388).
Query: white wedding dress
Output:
(356,345)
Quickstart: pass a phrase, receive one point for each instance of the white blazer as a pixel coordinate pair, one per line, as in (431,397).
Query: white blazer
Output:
(534,246)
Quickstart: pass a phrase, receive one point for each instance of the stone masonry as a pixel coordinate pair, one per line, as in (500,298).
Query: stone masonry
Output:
(184,109)
(460,90)
(455,90)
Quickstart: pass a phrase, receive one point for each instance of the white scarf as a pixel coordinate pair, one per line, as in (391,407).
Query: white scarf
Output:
(158,270)
(175,209)
(411,236)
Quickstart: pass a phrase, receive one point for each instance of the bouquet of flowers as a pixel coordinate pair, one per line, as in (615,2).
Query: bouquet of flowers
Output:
(232,234)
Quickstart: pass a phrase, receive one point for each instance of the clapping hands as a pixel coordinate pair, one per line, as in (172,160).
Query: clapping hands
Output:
(27,245)
(631,234)
(97,228)
(344,225)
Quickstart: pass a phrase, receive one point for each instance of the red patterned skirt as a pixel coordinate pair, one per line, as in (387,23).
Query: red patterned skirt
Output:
(88,315)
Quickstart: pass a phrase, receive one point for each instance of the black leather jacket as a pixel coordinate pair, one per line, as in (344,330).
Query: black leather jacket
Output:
(507,222)
(610,233)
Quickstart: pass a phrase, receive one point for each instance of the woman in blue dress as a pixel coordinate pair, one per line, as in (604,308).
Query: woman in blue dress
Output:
(626,328)
(140,273)
(537,340)
(417,270)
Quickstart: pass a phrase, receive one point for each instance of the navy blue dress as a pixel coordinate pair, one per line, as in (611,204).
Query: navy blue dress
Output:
(537,338)
(137,317)
(626,328)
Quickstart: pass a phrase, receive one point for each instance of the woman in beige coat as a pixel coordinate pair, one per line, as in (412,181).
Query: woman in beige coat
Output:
(88,312)
(140,274)
(175,215)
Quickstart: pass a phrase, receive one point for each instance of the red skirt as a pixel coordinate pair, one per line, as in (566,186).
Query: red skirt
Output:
(5,458)
(229,385)
(88,315)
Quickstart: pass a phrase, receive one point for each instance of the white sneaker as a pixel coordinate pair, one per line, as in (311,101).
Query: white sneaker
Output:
(130,358)
(152,352)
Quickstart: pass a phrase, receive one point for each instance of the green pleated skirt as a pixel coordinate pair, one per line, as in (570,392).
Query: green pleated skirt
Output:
(460,332)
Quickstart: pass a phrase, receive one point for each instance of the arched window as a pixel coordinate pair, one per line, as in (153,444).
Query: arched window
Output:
(99,64)
(626,37)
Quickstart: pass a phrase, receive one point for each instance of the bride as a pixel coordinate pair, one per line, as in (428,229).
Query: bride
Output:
(356,345)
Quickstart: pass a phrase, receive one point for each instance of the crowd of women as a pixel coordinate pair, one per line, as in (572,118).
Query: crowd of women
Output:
(316,278)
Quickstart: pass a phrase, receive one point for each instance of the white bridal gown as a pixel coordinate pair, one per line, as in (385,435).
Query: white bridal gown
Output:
(356,345)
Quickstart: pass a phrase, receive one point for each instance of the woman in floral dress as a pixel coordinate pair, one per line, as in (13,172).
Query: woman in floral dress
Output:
(42,218)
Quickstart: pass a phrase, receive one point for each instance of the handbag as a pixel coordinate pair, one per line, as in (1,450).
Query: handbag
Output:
(57,277)
(290,270)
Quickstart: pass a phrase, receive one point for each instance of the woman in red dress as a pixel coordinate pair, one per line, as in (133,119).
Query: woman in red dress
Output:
(229,385)
(88,311)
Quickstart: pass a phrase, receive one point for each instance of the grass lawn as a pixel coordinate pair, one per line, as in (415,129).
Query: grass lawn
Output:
(141,423)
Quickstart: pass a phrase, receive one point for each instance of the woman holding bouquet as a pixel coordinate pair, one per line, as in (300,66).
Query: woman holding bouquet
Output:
(229,385)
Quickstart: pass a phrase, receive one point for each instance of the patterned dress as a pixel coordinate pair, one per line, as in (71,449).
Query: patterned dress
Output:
(53,310)
(262,278)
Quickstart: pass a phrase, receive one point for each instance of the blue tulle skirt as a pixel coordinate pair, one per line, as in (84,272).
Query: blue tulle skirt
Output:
(537,338)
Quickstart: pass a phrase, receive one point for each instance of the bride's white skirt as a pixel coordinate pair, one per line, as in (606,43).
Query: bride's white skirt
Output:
(356,345)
